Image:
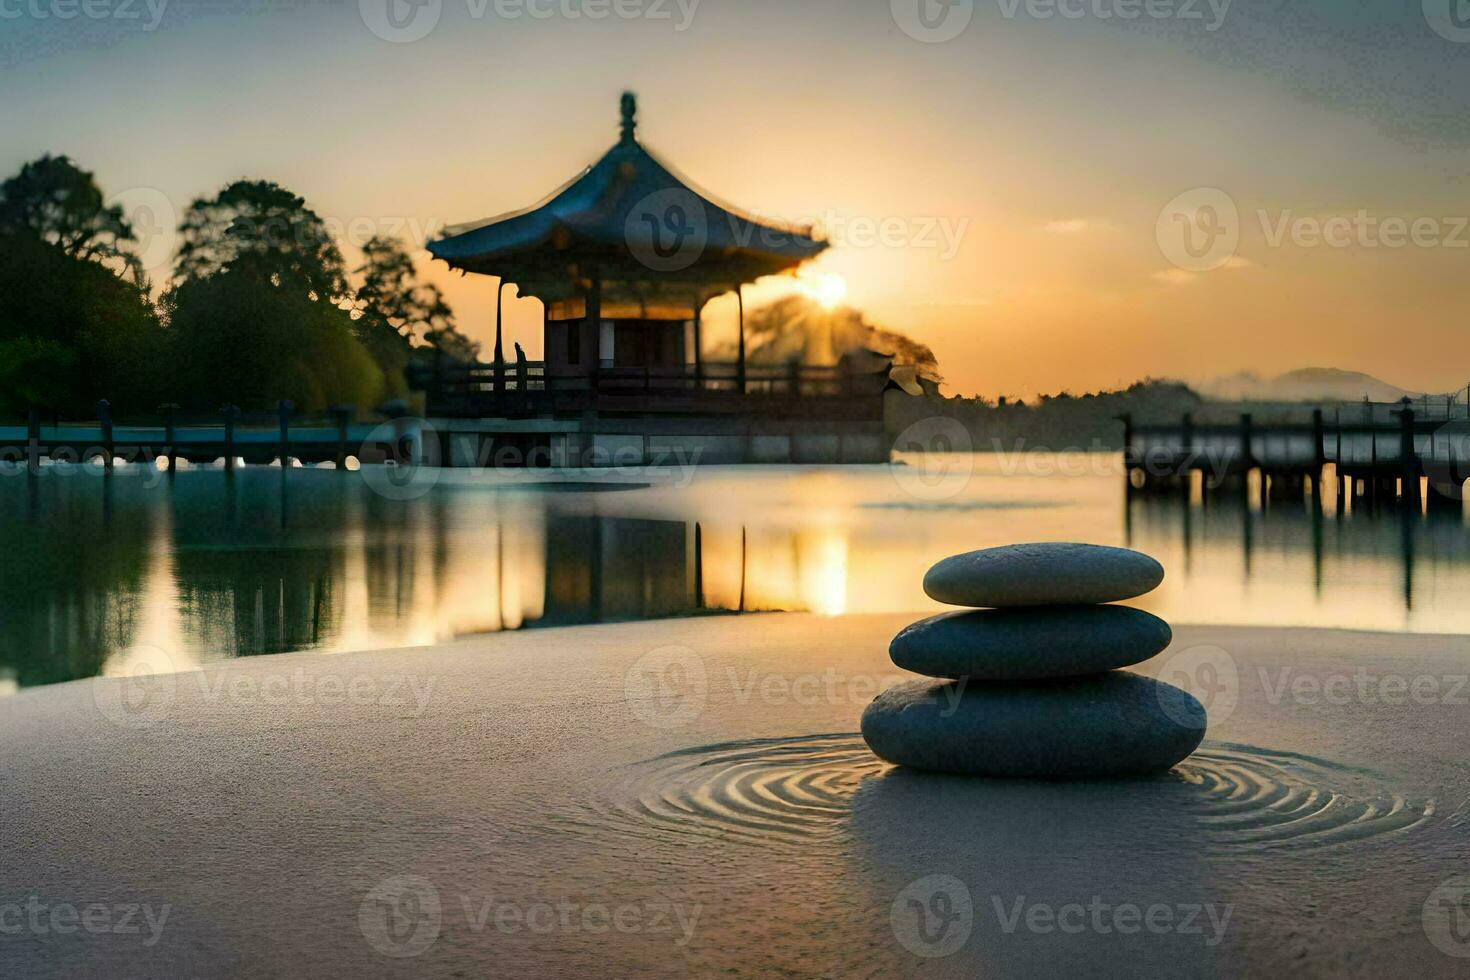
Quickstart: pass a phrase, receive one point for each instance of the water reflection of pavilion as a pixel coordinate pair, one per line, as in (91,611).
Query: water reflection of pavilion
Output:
(283,564)
(210,566)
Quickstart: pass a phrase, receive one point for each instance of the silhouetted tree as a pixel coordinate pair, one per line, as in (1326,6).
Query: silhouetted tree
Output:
(250,342)
(392,288)
(1055,422)
(60,203)
(258,309)
(395,305)
(385,309)
(445,337)
(72,329)
(259,227)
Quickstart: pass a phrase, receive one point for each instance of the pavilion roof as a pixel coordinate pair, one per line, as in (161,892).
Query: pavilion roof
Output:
(628,218)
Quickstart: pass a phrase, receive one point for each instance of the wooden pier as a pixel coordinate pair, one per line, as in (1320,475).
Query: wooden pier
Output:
(808,415)
(231,435)
(1414,453)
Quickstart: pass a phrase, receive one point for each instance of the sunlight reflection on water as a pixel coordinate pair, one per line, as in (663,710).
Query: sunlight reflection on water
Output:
(102,571)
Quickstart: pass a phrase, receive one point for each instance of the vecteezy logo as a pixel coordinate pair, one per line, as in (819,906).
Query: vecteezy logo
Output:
(667,230)
(941,462)
(400,21)
(932,21)
(666,687)
(401,916)
(140,694)
(1199,230)
(1446,917)
(1209,674)
(411,468)
(932,917)
(154,222)
(1450,19)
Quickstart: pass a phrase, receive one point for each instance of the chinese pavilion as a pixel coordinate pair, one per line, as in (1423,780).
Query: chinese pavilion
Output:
(623,259)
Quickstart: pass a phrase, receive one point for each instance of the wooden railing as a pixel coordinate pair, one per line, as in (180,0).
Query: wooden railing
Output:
(529,388)
(229,434)
(1372,442)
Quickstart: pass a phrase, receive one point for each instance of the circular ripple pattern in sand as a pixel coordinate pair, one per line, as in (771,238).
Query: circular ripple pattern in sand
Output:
(1254,798)
(796,789)
(764,788)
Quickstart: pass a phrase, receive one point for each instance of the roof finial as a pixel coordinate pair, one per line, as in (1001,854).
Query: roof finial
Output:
(630,116)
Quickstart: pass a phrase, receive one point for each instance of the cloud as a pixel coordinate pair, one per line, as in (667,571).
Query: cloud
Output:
(1175,277)
(1068,226)
(1182,277)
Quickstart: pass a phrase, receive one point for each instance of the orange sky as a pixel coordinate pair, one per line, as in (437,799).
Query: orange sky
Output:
(997,196)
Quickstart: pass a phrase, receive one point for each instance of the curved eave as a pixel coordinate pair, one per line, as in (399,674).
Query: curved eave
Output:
(463,251)
(589,220)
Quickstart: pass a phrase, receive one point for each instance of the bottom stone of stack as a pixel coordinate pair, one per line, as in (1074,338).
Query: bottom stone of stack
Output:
(1112,724)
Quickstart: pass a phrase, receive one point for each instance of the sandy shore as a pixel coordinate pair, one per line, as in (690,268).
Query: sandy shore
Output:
(688,796)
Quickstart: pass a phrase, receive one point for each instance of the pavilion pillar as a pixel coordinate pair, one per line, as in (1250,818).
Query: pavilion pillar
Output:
(698,347)
(499,341)
(740,357)
(499,349)
(593,339)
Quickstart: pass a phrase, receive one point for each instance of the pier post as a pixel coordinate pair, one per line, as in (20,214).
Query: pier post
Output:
(1246,460)
(1337,450)
(1408,459)
(229,412)
(341,413)
(170,448)
(1319,439)
(1247,437)
(1129,457)
(1319,454)
(1186,445)
(104,419)
(33,440)
(283,413)
(1374,479)
(523,385)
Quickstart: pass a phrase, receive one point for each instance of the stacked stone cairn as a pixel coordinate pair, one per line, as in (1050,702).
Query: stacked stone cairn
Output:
(1028,685)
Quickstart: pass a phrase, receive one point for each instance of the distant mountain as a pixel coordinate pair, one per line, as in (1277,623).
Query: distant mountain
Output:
(1304,385)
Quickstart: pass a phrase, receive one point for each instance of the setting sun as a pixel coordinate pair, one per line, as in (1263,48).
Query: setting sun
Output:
(829,290)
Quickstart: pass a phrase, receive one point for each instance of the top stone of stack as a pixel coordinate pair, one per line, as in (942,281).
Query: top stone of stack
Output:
(1047,574)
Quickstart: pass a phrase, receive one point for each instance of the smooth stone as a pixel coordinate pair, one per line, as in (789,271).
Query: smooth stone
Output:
(1113,724)
(1030,643)
(1046,574)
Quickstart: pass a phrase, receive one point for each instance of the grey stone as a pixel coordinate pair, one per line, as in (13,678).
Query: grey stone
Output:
(1029,644)
(1052,573)
(1113,724)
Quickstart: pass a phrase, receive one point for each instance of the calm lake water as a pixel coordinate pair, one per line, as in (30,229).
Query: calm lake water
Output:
(139,572)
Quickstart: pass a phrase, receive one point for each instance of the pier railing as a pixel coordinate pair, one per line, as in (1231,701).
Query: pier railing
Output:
(1375,444)
(231,434)
(526,388)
